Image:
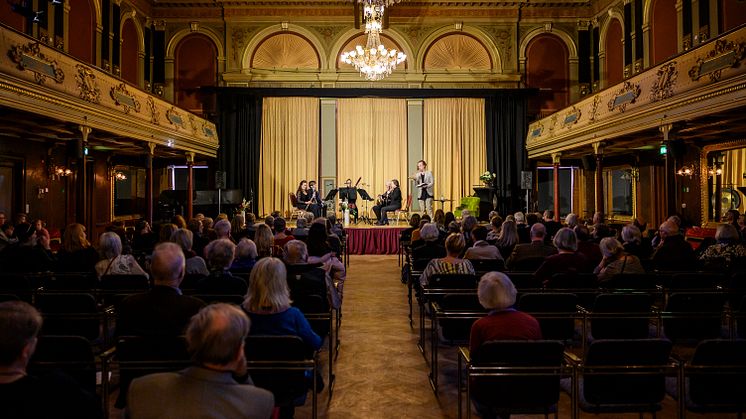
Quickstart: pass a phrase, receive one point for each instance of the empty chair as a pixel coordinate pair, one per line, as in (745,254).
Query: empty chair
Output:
(190,281)
(584,285)
(524,280)
(284,365)
(513,377)
(527,264)
(621,316)
(70,314)
(137,283)
(620,376)
(637,282)
(20,285)
(487,265)
(715,378)
(693,316)
(556,313)
(694,280)
(70,281)
(71,355)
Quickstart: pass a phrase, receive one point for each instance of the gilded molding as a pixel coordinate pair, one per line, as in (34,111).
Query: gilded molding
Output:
(174,117)
(663,86)
(724,54)
(154,114)
(29,57)
(703,189)
(86,80)
(627,95)
(572,117)
(122,97)
(594,108)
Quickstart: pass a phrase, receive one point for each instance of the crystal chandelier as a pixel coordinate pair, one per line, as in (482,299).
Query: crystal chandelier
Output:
(374,61)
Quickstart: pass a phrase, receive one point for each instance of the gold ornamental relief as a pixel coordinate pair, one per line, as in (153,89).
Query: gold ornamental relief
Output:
(627,95)
(86,80)
(726,54)
(30,58)
(122,97)
(663,85)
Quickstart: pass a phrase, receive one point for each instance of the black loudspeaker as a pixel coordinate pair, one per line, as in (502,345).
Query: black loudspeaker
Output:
(677,149)
(589,162)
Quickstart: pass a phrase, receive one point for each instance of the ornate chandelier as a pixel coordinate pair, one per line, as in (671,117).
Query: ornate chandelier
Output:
(375,62)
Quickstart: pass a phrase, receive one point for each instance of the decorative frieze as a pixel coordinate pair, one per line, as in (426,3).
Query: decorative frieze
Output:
(29,57)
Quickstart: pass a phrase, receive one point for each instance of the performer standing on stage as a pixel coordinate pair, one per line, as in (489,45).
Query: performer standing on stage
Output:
(305,198)
(424,182)
(391,201)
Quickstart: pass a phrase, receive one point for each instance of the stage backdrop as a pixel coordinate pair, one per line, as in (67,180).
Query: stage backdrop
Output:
(454,145)
(372,143)
(289,150)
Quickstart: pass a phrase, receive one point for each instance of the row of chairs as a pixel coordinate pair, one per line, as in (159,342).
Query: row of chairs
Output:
(613,376)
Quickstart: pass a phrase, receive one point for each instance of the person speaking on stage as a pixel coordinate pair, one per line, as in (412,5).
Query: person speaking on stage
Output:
(391,202)
(424,182)
(305,198)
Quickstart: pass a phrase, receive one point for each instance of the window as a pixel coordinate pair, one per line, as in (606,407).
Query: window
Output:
(619,186)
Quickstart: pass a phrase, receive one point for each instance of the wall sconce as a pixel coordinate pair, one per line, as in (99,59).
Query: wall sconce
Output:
(59,171)
(119,176)
(714,171)
(686,171)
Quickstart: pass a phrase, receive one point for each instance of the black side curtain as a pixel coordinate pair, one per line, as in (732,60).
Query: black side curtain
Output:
(240,130)
(506,121)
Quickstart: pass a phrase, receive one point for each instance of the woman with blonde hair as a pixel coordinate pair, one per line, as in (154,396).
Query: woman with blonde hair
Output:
(264,240)
(77,254)
(452,263)
(508,238)
(268,304)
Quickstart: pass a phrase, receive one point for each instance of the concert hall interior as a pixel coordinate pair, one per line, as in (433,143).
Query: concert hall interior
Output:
(372,208)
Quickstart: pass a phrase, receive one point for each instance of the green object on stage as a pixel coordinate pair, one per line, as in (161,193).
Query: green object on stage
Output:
(470,203)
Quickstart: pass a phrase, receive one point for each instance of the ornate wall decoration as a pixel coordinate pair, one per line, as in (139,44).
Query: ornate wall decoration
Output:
(239,36)
(122,97)
(537,130)
(29,57)
(193,123)
(457,52)
(329,33)
(726,54)
(663,86)
(503,39)
(572,117)
(86,80)
(208,131)
(285,50)
(154,114)
(628,94)
(594,108)
(415,33)
(174,117)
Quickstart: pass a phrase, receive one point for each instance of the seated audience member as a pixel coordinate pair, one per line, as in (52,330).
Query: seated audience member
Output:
(24,396)
(731,217)
(533,218)
(430,247)
(207,229)
(550,223)
(567,260)
(468,224)
(414,223)
(571,220)
(320,251)
(727,248)
(268,304)
(3,218)
(616,261)
(162,311)
(633,243)
(223,230)
(264,240)
(524,230)
(416,238)
(114,262)
(178,221)
(7,238)
(523,252)
(450,218)
(165,232)
(250,224)
(31,254)
(77,254)
(496,224)
(215,339)
(508,238)
(270,221)
(281,235)
(300,230)
(586,246)
(482,249)
(673,253)
(307,279)
(451,264)
(195,265)
(439,218)
(497,293)
(245,256)
(453,227)
(143,239)
(337,228)
(238,227)
(220,255)
(334,240)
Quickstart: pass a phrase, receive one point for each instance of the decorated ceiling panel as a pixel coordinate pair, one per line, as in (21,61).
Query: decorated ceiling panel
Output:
(285,50)
(457,52)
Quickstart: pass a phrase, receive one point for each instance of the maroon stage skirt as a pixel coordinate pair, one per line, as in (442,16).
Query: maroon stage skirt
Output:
(373,240)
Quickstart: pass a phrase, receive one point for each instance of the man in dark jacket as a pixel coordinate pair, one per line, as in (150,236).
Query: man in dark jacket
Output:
(673,253)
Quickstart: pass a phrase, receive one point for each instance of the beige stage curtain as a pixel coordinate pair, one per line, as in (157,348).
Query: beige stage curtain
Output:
(372,143)
(455,147)
(290,149)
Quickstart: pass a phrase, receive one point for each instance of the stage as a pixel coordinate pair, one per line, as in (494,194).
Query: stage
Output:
(366,239)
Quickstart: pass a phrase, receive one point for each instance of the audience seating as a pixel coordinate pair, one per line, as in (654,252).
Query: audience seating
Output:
(621,376)
(402,211)
(621,316)
(72,314)
(220,298)
(482,266)
(190,281)
(69,281)
(294,210)
(530,264)
(555,311)
(636,282)
(693,316)
(513,377)
(279,364)
(71,355)
(20,285)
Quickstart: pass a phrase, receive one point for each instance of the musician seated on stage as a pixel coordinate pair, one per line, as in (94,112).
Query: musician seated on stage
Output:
(389,201)
(306,199)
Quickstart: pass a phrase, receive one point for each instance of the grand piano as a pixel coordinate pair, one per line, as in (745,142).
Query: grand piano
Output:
(173,202)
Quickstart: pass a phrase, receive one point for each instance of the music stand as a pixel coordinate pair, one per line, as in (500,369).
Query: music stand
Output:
(330,196)
(364,195)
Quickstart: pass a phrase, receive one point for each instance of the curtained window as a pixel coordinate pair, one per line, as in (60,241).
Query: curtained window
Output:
(454,145)
(289,149)
(372,143)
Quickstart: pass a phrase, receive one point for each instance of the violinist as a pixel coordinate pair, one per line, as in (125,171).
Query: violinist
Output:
(390,201)
(305,199)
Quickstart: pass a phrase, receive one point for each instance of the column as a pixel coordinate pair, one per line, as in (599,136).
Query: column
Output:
(670,171)
(328,163)
(415,150)
(82,198)
(149,182)
(190,185)
(718,164)
(556,166)
(599,186)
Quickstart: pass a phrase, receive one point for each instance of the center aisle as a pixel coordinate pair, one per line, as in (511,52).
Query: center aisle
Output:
(380,373)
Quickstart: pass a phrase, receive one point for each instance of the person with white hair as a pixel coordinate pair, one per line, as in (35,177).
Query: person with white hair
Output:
(223,230)
(497,293)
(633,242)
(567,260)
(430,247)
(220,255)
(571,220)
(616,261)
(245,256)
(114,262)
(673,253)
(727,247)
(195,265)
(524,230)
(528,253)
(216,340)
